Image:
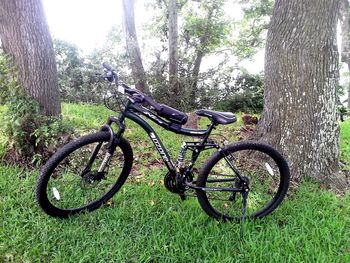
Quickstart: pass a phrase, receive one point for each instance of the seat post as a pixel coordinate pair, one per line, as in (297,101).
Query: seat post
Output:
(209,130)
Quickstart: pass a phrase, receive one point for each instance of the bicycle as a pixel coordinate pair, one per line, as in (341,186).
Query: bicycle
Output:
(244,179)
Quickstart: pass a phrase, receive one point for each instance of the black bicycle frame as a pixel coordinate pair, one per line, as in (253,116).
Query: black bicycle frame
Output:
(130,112)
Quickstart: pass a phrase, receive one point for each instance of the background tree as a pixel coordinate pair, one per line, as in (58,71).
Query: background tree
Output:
(132,46)
(174,85)
(26,39)
(205,30)
(70,70)
(301,78)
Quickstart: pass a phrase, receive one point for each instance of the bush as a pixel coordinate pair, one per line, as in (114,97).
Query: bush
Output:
(247,101)
(29,137)
(246,94)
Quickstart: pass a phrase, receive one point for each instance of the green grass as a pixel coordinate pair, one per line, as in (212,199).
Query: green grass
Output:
(146,223)
(85,117)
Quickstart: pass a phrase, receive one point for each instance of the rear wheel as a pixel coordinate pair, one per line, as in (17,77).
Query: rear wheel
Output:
(262,168)
(68,185)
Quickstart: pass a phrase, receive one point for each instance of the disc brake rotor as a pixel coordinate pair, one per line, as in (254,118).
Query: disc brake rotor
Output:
(91,179)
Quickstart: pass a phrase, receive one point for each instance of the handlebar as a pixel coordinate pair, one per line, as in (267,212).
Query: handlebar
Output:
(174,115)
(137,95)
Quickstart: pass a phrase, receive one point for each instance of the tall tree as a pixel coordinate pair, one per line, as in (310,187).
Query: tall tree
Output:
(301,79)
(173,53)
(204,32)
(25,37)
(132,46)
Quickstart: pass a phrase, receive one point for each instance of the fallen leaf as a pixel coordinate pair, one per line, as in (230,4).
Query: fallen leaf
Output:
(109,202)
(9,257)
(323,186)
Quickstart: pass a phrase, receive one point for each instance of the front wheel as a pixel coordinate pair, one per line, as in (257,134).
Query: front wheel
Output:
(72,180)
(265,175)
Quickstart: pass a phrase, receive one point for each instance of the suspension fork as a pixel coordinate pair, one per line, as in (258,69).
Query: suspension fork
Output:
(113,142)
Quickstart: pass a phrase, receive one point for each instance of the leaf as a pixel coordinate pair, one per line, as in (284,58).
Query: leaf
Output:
(109,202)
(9,257)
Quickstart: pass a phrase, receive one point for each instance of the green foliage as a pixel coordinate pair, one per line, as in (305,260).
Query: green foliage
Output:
(8,85)
(70,70)
(244,93)
(85,117)
(345,144)
(251,102)
(203,29)
(28,137)
(206,27)
(342,112)
(79,76)
(252,29)
(206,33)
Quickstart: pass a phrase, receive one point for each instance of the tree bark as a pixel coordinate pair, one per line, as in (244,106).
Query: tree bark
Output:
(301,76)
(195,75)
(132,46)
(25,37)
(173,54)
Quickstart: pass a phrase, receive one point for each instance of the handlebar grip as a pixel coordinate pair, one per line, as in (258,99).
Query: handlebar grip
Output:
(113,72)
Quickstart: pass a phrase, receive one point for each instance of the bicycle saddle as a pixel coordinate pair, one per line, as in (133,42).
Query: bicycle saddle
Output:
(218,116)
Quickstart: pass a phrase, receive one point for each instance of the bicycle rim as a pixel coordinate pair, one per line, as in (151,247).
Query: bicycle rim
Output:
(265,178)
(70,187)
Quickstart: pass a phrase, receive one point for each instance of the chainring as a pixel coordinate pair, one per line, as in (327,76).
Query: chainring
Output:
(170,182)
(174,186)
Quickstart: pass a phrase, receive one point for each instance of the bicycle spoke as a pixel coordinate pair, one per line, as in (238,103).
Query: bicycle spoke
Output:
(254,171)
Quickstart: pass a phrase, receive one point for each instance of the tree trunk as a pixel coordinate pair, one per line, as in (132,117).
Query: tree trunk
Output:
(301,76)
(348,102)
(25,37)
(173,55)
(194,77)
(200,53)
(132,46)
(345,33)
